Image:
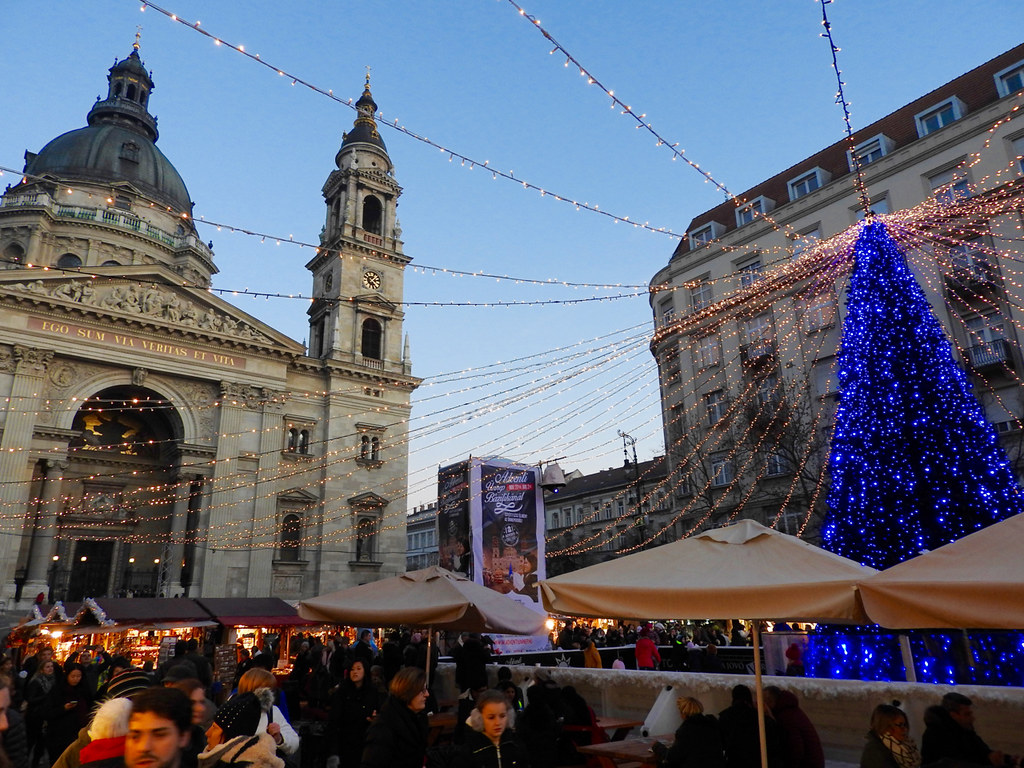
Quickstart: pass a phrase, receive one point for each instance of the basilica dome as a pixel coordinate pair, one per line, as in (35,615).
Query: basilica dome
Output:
(118,145)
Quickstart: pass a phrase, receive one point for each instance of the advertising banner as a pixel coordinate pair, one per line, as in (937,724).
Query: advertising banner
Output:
(453,529)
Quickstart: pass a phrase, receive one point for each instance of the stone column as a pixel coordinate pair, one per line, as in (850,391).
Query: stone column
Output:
(41,555)
(264,519)
(15,465)
(176,545)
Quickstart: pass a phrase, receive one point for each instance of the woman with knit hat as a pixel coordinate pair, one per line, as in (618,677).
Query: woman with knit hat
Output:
(236,739)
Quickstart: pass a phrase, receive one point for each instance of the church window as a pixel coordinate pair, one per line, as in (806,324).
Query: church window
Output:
(375,449)
(117,88)
(14,255)
(144,99)
(131,92)
(130,152)
(110,263)
(69,261)
(364,447)
(293,440)
(373,215)
(372,336)
(291,537)
(302,445)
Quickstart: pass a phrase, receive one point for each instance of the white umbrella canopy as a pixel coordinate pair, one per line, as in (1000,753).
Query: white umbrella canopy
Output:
(741,571)
(976,582)
(432,597)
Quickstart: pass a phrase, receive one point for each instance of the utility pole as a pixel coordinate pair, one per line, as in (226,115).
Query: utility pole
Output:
(629,442)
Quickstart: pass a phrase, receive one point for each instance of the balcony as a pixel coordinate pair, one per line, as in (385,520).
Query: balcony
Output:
(989,354)
(758,354)
(971,276)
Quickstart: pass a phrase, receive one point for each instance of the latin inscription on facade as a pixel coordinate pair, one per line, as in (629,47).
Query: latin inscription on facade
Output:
(117,339)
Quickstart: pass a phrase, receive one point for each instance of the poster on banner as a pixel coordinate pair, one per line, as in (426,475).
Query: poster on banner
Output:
(508,512)
(453,530)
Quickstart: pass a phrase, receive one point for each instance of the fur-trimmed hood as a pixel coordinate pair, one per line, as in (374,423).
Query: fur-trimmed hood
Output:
(243,752)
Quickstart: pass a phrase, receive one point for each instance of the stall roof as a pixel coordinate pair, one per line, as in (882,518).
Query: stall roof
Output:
(252,611)
(143,611)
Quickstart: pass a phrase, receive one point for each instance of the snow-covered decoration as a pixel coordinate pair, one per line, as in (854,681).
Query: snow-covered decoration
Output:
(97,611)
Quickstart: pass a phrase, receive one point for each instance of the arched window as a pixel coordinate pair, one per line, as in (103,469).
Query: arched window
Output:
(366,534)
(117,88)
(303,443)
(364,447)
(131,92)
(291,537)
(14,255)
(372,336)
(145,97)
(69,261)
(375,449)
(293,440)
(373,215)
(111,263)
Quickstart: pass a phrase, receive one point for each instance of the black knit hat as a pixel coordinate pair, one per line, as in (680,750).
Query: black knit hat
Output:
(127,684)
(240,715)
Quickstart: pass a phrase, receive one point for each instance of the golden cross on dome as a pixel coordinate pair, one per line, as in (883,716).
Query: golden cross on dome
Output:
(367,75)
(138,36)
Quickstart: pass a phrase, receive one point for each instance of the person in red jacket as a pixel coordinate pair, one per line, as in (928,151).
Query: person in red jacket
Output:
(803,746)
(646,652)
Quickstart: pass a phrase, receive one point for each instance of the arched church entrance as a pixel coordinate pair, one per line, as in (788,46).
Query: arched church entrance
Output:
(113,531)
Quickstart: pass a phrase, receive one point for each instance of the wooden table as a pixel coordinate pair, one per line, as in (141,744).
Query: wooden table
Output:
(619,727)
(612,753)
(438,724)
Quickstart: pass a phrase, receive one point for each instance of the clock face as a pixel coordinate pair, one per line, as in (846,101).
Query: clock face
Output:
(371,280)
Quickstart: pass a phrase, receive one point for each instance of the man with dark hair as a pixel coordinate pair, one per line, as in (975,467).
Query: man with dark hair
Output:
(949,734)
(738,725)
(158,730)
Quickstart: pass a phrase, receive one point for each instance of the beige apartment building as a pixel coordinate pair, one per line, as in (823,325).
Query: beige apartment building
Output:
(749,309)
(156,439)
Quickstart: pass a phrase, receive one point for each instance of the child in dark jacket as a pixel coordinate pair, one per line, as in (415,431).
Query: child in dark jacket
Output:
(490,742)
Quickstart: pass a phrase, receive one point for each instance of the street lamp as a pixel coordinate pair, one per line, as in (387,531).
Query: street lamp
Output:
(628,441)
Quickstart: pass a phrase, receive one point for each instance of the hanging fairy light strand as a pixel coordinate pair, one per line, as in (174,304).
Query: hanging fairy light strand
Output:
(396,126)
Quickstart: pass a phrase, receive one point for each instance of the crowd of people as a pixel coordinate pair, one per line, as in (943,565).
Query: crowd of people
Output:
(93,710)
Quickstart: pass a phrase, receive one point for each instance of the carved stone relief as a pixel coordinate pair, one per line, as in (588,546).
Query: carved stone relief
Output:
(6,359)
(31,360)
(150,301)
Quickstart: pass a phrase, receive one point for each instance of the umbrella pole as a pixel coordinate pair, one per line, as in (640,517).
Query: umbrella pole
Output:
(430,640)
(908,659)
(759,688)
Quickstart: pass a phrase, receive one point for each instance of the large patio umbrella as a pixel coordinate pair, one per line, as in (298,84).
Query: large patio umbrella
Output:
(741,571)
(976,582)
(431,597)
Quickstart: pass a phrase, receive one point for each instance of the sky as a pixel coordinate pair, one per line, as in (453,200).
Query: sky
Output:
(745,87)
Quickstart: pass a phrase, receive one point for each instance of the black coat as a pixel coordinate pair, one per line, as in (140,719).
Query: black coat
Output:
(876,754)
(698,744)
(15,740)
(944,737)
(738,727)
(478,751)
(350,711)
(397,738)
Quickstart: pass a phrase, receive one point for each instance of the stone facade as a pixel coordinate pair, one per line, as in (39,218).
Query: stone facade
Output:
(158,440)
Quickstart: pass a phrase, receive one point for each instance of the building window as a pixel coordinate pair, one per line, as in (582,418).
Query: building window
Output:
(620,507)
(776,465)
(373,218)
(366,539)
(986,329)
(1010,80)
(721,471)
(554,520)
(804,185)
(667,312)
(879,206)
(791,522)
(708,352)
(14,255)
(759,330)
(297,440)
(372,336)
(701,295)
(749,273)
(939,116)
(767,392)
(364,447)
(869,151)
(969,259)
(130,152)
(950,186)
(1017,147)
(820,312)
(825,380)
(374,449)
(69,261)
(705,234)
(759,206)
(805,241)
(716,405)
(291,537)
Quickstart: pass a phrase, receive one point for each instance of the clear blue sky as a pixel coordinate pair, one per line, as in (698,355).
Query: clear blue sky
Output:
(745,87)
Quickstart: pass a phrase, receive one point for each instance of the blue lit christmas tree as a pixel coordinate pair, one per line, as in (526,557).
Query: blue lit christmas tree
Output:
(914,463)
